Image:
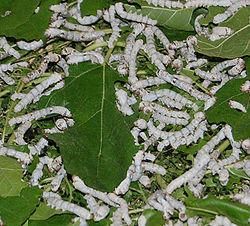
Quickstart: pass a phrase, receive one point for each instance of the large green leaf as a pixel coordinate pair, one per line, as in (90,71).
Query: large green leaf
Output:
(221,112)
(236,212)
(43,212)
(178,19)
(11,174)
(15,210)
(99,147)
(89,7)
(23,23)
(57,220)
(235,45)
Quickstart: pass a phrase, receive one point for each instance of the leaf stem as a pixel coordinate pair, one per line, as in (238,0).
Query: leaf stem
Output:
(4,92)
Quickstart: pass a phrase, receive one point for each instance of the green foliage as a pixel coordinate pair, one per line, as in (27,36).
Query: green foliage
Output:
(154,218)
(178,19)
(99,148)
(23,23)
(227,47)
(57,220)
(10,177)
(89,7)
(211,206)
(15,210)
(105,222)
(221,111)
(43,212)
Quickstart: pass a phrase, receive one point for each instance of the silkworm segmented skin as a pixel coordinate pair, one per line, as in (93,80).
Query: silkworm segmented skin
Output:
(238,106)
(30,45)
(55,201)
(207,3)
(8,49)
(133,16)
(37,91)
(35,115)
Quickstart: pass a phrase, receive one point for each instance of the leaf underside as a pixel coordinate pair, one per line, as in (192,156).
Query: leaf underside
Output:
(99,147)
(236,44)
(221,111)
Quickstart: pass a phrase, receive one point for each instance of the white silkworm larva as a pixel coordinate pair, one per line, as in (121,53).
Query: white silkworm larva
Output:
(37,91)
(7,79)
(201,160)
(238,68)
(183,85)
(151,81)
(219,33)
(99,211)
(38,172)
(20,132)
(38,147)
(35,115)
(132,61)
(57,180)
(124,101)
(243,197)
(93,56)
(55,201)
(8,49)
(133,16)
(221,220)
(246,145)
(213,77)
(231,10)
(20,156)
(223,65)
(199,63)
(238,106)
(207,3)
(30,45)
(245,88)
(75,36)
(80,186)
(153,168)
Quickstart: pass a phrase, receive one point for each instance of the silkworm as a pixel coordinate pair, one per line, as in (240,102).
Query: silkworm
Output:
(93,56)
(75,36)
(38,114)
(221,220)
(8,49)
(238,68)
(209,76)
(99,211)
(183,85)
(246,145)
(223,65)
(200,30)
(133,16)
(150,81)
(166,3)
(38,172)
(55,201)
(231,10)
(21,130)
(219,33)
(245,88)
(30,45)
(80,186)
(37,91)
(57,180)
(243,197)
(236,105)
(124,102)
(207,3)
(20,156)
(38,147)
(196,64)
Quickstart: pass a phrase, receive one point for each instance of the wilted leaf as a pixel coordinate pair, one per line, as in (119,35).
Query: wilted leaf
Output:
(235,45)
(15,210)
(221,112)
(178,19)
(10,177)
(23,22)
(235,212)
(57,220)
(99,147)
(43,212)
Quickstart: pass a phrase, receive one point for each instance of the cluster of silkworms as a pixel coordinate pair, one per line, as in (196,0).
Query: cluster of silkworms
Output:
(171,102)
